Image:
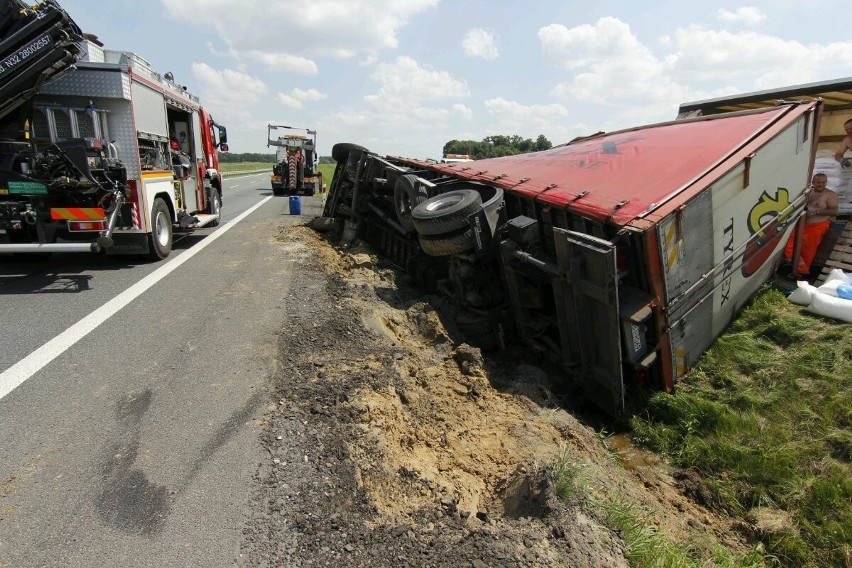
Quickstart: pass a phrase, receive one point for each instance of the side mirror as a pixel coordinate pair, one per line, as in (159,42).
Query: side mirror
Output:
(223,147)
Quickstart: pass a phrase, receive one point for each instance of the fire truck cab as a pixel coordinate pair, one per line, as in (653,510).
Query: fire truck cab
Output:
(108,155)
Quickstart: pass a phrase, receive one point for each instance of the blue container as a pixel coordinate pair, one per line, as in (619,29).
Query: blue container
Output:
(295,205)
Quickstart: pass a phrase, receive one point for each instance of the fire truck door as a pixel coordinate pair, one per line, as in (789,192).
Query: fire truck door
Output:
(588,270)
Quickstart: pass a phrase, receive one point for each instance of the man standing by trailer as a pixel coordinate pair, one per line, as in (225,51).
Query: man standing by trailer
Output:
(822,207)
(847,142)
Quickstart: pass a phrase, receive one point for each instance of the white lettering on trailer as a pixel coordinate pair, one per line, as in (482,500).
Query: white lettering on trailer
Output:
(17,374)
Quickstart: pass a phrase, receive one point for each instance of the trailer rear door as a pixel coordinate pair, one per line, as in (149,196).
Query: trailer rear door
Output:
(587,265)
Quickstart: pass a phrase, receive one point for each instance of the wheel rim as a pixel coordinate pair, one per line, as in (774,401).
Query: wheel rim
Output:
(215,205)
(405,205)
(443,202)
(161,229)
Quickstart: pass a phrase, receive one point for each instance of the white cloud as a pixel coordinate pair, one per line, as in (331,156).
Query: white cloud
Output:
(309,95)
(404,83)
(289,101)
(528,121)
(748,15)
(284,62)
(480,43)
(615,66)
(329,28)
(227,86)
(297,98)
(406,108)
(761,61)
(587,44)
(462,111)
(608,66)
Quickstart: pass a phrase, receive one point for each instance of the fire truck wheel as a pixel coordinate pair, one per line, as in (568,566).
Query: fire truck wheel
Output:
(214,205)
(445,245)
(407,194)
(340,152)
(160,239)
(446,213)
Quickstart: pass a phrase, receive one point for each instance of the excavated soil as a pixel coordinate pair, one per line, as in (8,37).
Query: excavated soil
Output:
(392,442)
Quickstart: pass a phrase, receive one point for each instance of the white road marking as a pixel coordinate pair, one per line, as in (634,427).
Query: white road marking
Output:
(14,376)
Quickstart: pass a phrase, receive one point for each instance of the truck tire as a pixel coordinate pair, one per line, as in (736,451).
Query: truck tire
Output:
(214,205)
(477,329)
(446,213)
(160,238)
(491,205)
(407,194)
(340,152)
(446,245)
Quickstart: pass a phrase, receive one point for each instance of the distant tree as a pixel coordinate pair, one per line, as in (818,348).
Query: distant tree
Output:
(542,143)
(496,146)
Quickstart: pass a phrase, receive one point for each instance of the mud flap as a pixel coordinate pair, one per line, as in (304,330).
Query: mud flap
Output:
(483,232)
(587,270)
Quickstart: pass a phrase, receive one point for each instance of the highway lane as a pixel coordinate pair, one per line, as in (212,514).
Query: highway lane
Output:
(43,298)
(137,445)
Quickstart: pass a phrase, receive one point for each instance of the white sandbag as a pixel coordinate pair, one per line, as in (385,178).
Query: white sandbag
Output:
(831,307)
(837,274)
(803,295)
(838,284)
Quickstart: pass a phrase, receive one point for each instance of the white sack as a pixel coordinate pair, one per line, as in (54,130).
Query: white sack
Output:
(829,306)
(803,295)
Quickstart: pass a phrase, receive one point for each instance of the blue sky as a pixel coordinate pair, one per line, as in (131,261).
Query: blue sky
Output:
(402,77)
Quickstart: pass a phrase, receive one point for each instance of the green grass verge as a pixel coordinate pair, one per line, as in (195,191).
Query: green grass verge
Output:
(645,546)
(766,417)
(237,167)
(327,171)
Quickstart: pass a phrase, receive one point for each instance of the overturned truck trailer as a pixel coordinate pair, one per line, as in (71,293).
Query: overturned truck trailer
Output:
(621,257)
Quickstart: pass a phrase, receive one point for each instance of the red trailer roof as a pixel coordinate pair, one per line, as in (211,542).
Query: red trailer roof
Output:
(625,174)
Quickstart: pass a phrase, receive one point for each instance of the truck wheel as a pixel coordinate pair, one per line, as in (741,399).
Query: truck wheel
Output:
(446,213)
(493,204)
(476,329)
(214,206)
(445,245)
(407,194)
(160,239)
(340,152)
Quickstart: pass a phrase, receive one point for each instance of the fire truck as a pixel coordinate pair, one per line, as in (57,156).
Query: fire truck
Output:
(98,152)
(618,257)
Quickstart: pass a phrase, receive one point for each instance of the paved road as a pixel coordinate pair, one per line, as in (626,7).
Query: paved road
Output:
(137,445)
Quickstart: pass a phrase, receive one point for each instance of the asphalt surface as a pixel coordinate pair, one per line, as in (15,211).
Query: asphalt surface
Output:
(136,446)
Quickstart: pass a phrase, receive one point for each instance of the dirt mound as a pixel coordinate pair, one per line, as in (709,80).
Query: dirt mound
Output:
(412,445)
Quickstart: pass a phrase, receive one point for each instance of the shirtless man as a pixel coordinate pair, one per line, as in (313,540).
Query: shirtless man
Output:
(822,206)
(847,142)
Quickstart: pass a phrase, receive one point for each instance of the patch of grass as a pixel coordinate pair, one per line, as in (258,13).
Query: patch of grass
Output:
(766,416)
(327,171)
(646,546)
(237,167)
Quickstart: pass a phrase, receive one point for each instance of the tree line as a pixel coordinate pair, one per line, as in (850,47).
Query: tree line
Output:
(496,146)
(488,147)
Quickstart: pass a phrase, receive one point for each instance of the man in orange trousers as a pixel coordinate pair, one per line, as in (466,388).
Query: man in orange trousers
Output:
(822,207)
